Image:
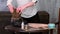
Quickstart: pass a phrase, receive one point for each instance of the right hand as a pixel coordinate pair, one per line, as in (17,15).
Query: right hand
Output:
(11,8)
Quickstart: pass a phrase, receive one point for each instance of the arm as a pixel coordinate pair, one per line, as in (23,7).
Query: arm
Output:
(30,4)
(9,5)
(26,5)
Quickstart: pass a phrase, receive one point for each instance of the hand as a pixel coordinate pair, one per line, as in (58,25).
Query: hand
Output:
(20,9)
(11,8)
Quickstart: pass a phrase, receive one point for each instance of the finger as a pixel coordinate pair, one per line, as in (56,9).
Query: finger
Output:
(17,10)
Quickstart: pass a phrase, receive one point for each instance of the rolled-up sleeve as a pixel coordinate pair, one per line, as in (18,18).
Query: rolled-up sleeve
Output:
(9,2)
(34,0)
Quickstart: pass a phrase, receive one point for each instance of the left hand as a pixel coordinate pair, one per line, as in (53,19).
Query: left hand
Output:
(20,9)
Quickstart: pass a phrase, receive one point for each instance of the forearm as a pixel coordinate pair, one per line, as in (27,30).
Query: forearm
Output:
(28,4)
(10,7)
(33,2)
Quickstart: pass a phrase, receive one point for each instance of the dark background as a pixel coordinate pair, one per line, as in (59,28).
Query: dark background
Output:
(5,20)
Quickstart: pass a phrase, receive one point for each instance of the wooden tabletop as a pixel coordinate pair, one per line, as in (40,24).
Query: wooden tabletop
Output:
(35,27)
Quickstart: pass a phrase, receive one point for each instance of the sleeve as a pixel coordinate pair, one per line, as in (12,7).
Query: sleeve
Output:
(34,1)
(9,2)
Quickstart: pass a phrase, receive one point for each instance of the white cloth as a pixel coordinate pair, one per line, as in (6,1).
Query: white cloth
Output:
(28,12)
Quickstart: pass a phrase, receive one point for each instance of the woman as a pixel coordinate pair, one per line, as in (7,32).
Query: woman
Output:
(27,9)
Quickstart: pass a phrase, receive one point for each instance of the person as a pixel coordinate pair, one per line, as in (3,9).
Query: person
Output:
(27,9)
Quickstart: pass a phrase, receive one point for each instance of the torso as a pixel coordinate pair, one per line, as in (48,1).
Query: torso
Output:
(28,12)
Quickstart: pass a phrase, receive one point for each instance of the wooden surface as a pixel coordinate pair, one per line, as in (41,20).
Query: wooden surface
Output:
(16,29)
(30,28)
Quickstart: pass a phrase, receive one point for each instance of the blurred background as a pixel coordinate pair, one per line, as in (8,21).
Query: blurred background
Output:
(50,6)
